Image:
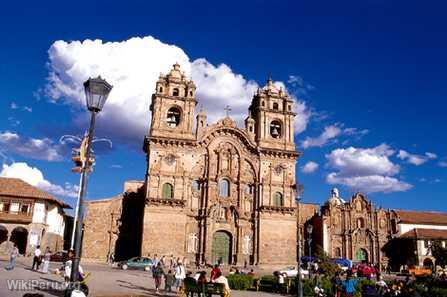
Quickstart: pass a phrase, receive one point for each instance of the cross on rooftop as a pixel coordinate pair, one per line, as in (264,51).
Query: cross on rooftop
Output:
(227,110)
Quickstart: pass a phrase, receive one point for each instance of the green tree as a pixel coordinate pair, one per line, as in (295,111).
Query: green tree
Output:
(440,253)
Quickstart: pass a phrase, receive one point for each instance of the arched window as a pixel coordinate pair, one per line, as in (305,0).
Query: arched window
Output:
(167,191)
(275,129)
(175,92)
(262,103)
(360,223)
(290,107)
(190,93)
(195,185)
(173,117)
(278,200)
(337,252)
(160,89)
(275,106)
(224,188)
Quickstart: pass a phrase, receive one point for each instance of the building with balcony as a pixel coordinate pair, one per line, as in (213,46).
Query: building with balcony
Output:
(29,217)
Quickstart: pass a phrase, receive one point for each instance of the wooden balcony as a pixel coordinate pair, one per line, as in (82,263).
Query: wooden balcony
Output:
(6,217)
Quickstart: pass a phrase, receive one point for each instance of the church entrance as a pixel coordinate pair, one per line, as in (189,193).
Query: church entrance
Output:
(362,255)
(221,251)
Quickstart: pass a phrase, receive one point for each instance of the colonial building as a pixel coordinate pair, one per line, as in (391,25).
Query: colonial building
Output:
(353,229)
(218,192)
(29,217)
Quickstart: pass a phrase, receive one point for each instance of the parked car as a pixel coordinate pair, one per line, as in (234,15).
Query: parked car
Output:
(291,271)
(60,256)
(142,263)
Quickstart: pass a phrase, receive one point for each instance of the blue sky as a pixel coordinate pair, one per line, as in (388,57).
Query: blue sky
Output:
(370,74)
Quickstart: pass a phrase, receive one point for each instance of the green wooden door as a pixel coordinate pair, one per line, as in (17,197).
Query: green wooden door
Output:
(221,251)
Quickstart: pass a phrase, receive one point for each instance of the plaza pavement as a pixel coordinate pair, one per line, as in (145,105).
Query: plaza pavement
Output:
(104,281)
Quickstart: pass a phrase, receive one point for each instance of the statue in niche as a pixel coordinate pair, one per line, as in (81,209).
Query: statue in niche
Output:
(192,243)
(246,247)
(219,213)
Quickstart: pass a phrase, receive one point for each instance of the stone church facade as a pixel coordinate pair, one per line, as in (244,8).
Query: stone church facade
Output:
(213,192)
(217,192)
(353,229)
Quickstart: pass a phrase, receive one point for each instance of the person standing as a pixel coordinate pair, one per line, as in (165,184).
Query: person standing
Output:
(349,285)
(12,257)
(36,258)
(157,275)
(180,275)
(169,281)
(46,260)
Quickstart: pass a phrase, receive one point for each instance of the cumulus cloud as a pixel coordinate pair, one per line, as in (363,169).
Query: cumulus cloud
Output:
(329,133)
(132,66)
(365,169)
(40,149)
(310,167)
(416,159)
(34,176)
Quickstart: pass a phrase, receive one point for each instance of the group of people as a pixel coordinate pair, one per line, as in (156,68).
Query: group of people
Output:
(38,258)
(172,270)
(174,274)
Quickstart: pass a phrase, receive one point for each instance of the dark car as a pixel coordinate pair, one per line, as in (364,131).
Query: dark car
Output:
(142,263)
(60,256)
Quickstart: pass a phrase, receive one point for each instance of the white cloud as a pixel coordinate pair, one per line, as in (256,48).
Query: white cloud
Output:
(310,167)
(34,177)
(14,105)
(329,133)
(132,66)
(442,163)
(416,159)
(41,149)
(365,169)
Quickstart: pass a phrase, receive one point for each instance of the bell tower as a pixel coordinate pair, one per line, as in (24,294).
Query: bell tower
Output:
(271,109)
(173,105)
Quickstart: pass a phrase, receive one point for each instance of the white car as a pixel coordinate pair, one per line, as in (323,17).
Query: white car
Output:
(291,271)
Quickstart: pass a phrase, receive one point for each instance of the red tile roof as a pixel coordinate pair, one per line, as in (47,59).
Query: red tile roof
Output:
(419,233)
(15,187)
(422,217)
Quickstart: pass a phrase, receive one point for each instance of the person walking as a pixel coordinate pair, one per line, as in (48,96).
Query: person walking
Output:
(36,258)
(180,275)
(157,275)
(169,281)
(12,257)
(349,284)
(46,260)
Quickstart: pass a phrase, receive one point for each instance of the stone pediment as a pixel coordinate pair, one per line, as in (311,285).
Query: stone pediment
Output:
(227,122)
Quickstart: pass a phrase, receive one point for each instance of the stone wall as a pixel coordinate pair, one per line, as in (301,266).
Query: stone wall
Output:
(277,239)
(164,231)
(99,227)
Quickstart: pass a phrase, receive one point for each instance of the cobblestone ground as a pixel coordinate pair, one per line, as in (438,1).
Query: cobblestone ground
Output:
(104,281)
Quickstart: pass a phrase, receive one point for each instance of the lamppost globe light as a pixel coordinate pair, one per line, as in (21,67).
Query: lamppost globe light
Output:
(96,92)
(309,229)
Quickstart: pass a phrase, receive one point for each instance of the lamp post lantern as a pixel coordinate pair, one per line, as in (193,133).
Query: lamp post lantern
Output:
(96,92)
(299,287)
(309,230)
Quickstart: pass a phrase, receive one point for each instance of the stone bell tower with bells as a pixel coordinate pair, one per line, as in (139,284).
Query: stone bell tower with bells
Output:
(173,105)
(271,110)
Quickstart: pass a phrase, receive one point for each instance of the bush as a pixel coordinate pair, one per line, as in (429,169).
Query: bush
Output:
(240,281)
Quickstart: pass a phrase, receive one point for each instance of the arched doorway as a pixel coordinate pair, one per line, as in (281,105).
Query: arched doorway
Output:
(221,250)
(428,263)
(20,237)
(361,255)
(3,234)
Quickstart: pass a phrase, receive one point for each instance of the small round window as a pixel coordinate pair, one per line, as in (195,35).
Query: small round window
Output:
(275,129)
(173,117)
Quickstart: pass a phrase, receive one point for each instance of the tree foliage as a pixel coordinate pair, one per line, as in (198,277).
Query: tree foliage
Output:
(440,253)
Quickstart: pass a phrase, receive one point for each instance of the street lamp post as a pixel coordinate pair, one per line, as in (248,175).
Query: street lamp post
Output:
(298,192)
(96,92)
